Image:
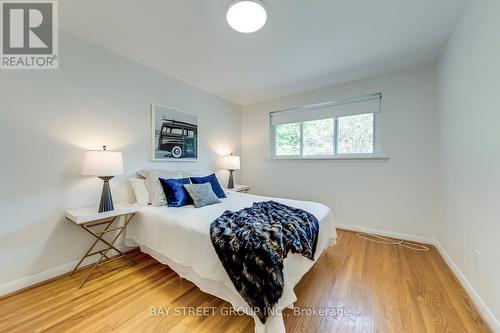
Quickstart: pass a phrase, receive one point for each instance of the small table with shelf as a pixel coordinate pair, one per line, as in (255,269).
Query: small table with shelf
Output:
(88,219)
(239,188)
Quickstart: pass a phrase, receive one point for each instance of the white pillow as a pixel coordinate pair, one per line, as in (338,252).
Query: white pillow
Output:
(141,191)
(153,184)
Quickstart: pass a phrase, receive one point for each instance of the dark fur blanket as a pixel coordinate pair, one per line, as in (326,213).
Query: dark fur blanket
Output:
(252,244)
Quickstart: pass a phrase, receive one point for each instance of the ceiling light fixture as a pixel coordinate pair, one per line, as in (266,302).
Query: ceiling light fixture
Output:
(246,16)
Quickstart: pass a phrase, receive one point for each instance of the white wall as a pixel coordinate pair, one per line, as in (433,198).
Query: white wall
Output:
(48,118)
(469,128)
(397,195)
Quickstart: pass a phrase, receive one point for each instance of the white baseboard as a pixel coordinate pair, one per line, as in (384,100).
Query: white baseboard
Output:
(411,238)
(483,309)
(28,281)
(478,301)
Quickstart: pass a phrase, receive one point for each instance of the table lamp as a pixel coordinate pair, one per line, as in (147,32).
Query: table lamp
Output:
(231,163)
(105,165)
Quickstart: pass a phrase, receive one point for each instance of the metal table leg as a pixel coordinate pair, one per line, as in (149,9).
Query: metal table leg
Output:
(100,238)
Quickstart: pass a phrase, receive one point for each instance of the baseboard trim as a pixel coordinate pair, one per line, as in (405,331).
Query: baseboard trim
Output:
(386,233)
(28,281)
(481,307)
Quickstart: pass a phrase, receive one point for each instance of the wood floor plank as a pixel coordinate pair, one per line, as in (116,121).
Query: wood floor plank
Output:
(385,289)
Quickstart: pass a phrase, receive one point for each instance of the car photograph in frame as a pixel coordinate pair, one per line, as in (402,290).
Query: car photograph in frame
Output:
(174,134)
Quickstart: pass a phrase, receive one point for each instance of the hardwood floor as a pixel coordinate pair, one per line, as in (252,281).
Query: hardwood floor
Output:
(384,288)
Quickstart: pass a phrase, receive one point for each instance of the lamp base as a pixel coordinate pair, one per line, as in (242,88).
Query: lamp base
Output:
(230,183)
(106,204)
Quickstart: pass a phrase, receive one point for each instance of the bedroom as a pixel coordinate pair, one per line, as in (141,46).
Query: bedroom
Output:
(366,119)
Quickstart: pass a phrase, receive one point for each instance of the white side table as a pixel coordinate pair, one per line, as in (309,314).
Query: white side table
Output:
(88,218)
(239,188)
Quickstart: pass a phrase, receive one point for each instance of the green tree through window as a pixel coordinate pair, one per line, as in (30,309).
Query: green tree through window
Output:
(326,137)
(318,137)
(288,139)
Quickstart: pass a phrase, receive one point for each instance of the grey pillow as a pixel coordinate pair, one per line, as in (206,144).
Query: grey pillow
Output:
(202,194)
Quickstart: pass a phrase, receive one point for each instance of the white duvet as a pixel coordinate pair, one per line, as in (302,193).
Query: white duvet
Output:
(179,238)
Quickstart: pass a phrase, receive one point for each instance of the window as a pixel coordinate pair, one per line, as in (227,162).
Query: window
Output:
(327,130)
(318,137)
(288,139)
(355,134)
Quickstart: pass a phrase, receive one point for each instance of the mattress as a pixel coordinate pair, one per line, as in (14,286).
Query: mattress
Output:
(179,238)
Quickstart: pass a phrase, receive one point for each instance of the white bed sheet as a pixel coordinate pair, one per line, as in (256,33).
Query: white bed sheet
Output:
(179,238)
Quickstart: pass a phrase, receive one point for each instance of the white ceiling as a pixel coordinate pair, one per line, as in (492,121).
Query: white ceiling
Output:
(306,44)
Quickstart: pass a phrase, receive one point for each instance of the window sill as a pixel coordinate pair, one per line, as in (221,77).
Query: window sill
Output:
(334,158)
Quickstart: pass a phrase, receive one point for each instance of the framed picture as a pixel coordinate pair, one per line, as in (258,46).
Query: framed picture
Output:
(174,134)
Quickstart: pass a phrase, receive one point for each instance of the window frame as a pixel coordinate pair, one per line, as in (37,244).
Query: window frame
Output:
(377,152)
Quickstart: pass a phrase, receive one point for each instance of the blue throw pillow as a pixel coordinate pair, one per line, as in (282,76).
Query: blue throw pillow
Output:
(213,181)
(176,194)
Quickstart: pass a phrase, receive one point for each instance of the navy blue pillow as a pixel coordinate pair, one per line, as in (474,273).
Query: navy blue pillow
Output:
(176,194)
(213,181)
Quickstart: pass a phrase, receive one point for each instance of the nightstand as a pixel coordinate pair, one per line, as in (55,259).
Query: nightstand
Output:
(88,219)
(239,188)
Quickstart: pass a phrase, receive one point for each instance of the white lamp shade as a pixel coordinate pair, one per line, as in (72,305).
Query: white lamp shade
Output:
(103,163)
(232,162)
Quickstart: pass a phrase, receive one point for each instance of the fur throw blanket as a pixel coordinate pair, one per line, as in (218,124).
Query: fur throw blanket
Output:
(252,244)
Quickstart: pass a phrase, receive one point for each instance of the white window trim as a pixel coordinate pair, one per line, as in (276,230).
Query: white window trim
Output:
(376,155)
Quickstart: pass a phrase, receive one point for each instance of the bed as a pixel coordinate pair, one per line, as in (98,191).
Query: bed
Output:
(179,238)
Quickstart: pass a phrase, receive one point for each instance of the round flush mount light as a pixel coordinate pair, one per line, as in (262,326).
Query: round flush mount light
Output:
(246,16)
